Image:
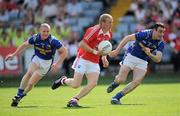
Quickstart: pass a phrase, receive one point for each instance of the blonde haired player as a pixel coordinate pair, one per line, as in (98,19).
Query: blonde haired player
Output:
(45,46)
(87,60)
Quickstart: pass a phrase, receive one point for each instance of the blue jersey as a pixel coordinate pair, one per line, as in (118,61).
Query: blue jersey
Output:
(145,37)
(45,49)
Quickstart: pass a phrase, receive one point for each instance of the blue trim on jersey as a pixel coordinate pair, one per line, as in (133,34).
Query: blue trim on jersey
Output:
(145,37)
(44,49)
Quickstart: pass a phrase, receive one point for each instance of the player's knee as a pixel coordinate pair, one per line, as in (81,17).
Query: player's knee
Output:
(29,73)
(123,71)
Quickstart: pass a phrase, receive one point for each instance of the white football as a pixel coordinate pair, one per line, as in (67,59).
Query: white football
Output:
(106,45)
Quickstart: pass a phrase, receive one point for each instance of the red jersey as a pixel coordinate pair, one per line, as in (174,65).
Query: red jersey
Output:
(177,44)
(93,36)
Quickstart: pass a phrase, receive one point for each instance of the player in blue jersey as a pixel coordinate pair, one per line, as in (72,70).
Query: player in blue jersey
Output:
(148,45)
(45,46)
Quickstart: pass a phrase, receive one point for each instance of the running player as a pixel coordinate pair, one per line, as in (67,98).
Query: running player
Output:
(148,45)
(87,60)
(45,46)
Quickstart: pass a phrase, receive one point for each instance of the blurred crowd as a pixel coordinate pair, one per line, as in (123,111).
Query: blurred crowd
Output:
(19,19)
(68,18)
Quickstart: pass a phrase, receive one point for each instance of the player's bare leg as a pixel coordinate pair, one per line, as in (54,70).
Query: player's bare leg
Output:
(20,94)
(92,79)
(74,82)
(120,78)
(32,68)
(32,81)
(138,76)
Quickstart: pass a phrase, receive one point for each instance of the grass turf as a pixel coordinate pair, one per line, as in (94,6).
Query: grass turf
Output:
(159,99)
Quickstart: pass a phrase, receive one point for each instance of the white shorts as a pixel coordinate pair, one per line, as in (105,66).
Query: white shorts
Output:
(83,66)
(134,62)
(44,65)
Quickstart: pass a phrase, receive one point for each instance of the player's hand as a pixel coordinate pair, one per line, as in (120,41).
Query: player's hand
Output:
(9,56)
(142,46)
(147,51)
(105,62)
(100,53)
(55,68)
(113,53)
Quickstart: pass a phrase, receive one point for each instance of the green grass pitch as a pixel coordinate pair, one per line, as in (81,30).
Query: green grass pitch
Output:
(159,99)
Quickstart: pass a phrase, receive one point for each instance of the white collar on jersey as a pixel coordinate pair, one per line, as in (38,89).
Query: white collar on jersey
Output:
(107,33)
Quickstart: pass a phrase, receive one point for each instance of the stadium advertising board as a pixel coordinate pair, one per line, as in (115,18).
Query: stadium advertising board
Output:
(10,67)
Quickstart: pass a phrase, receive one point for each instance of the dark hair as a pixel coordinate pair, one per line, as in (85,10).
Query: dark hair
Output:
(156,25)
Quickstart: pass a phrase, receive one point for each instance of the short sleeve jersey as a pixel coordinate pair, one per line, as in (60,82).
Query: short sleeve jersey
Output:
(44,49)
(93,36)
(145,37)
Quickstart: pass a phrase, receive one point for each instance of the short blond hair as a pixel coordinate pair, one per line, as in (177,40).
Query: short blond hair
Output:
(45,25)
(103,17)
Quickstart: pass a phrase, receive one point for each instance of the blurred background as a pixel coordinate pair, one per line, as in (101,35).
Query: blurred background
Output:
(19,19)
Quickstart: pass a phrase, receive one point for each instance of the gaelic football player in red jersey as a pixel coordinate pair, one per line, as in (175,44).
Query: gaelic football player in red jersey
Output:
(87,60)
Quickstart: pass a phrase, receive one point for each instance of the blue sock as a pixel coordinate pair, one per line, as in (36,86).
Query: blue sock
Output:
(20,92)
(119,95)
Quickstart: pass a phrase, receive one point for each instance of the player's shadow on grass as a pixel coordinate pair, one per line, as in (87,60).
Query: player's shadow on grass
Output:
(33,106)
(81,107)
(28,106)
(130,105)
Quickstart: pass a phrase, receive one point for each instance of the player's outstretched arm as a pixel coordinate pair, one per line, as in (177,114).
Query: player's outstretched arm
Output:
(124,41)
(19,50)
